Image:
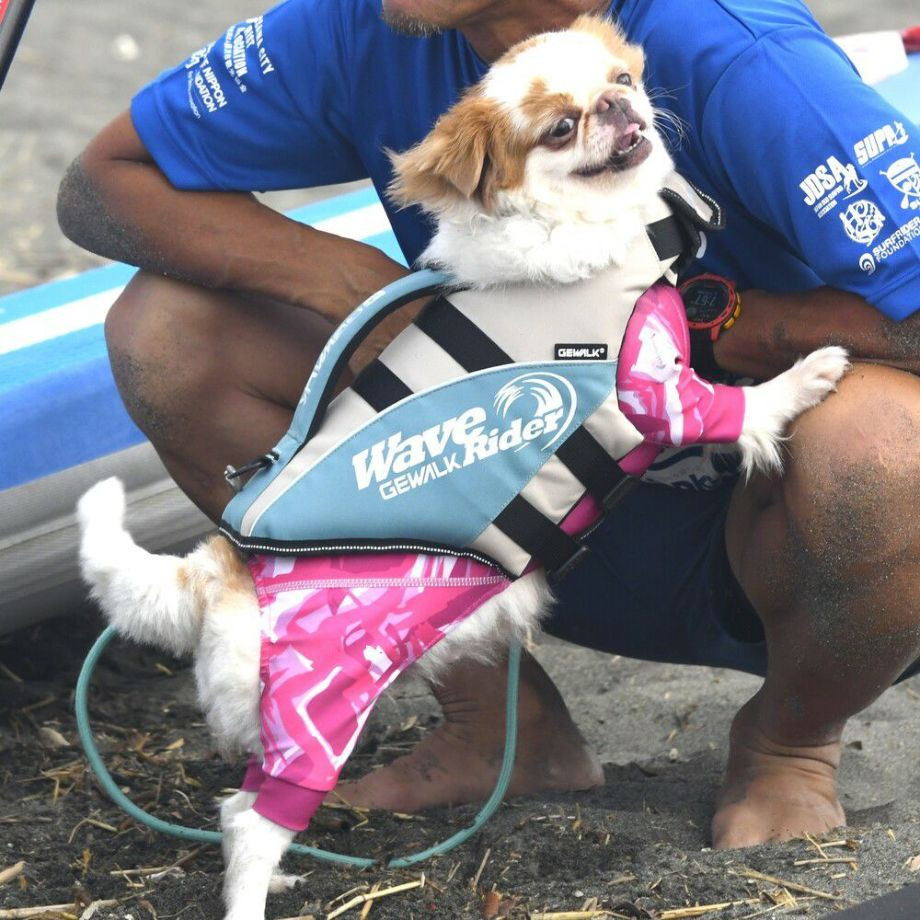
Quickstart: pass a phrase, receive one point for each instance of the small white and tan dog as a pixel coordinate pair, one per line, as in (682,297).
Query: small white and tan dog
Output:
(542,173)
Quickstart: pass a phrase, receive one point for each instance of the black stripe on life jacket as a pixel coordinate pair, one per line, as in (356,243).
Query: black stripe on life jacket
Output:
(379,386)
(668,238)
(473,350)
(592,466)
(539,537)
(460,337)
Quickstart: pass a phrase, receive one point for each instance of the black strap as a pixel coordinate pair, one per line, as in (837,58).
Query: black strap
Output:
(473,350)
(702,355)
(357,335)
(379,386)
(591,464)
(537,535)
(668,238)
(460,337)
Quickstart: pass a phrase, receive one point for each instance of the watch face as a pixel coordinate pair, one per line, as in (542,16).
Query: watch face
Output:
(705,301)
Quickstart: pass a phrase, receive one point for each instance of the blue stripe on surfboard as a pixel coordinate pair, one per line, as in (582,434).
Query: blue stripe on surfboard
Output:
(59,406)
(387,242)
(335,206)
(88,422)
(49,360)
(64,291)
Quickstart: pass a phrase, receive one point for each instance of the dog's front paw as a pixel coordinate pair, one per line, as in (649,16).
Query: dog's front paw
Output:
(104,504)
(770,406)
(816,375)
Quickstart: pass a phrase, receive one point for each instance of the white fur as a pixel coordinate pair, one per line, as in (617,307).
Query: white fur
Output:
(138,591)
(770,406)
(556,227)
(253,846)
(149,599)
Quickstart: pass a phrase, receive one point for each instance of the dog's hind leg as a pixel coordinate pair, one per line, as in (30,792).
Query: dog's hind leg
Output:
(253,846)
(229,809)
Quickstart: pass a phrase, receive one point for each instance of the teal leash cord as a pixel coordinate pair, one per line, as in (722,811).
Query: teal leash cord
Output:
(190,833)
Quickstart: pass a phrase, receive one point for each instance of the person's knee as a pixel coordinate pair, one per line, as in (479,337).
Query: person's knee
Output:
(154,343)
(849,493)
(862,443)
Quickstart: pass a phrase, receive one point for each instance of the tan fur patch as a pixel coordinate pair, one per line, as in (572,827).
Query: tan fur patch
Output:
(234,572)
(612,38)
(474,149)
(224,573)
(471,151)
(544,108)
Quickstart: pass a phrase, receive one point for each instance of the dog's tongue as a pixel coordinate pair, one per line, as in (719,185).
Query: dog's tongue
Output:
(628,137)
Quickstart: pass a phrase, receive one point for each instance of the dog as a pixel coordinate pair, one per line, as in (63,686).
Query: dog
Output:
(541,174)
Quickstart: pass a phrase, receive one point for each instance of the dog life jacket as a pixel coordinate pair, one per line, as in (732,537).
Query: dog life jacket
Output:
(480,429)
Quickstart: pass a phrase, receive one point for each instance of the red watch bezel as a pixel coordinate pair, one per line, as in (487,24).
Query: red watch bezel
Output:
(729,314)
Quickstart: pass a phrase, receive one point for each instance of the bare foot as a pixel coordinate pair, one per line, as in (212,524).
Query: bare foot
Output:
(459,761)
(774,791)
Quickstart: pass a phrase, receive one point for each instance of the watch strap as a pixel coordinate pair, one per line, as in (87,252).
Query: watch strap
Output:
(702,355)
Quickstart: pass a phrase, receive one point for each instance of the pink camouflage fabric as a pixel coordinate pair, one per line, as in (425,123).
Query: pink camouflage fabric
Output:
(658,391)
(338,630)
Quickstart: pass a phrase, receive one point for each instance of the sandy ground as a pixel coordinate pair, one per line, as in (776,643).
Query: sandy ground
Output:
(638,846)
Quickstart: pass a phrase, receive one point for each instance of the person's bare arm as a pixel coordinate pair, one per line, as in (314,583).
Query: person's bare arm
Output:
(116,202)
(775,329)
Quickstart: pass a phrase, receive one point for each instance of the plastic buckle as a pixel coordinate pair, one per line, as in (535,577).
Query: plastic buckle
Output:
(577,557)
(618,492)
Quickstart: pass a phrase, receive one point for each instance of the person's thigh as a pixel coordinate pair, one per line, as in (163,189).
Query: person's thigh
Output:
(657,585)
(211,377)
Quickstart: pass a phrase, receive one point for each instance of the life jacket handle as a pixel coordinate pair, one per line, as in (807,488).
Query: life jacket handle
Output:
(354,329)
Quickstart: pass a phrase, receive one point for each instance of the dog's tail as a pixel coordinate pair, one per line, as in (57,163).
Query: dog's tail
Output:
(147,598)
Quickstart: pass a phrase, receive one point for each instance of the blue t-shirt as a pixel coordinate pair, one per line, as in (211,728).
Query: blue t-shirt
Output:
(817,174)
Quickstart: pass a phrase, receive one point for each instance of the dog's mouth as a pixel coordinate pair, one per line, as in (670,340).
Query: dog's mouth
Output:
(630,149)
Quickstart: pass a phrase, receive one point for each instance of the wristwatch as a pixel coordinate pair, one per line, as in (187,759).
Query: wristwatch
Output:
(713,305)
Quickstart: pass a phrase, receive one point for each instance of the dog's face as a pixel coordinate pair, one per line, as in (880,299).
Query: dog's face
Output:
(559,120)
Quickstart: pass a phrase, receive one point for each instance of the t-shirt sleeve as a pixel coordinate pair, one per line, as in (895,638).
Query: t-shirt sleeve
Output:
(265,106)
(825,162)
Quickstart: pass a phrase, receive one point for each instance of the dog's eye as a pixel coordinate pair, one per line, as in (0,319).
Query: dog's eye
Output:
(624,79)
(563,128)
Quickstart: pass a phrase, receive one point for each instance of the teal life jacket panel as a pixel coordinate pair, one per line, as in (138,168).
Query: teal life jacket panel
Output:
(479,428)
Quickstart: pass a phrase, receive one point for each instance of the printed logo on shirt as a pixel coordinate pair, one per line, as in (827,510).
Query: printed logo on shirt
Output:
(879,142)
(867,263)
(904,175)
(203,82)
(898,240)
(863,221)
(828,182)
(533,407)
(244,50)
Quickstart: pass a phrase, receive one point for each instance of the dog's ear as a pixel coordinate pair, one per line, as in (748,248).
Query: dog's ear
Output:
(465,156)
